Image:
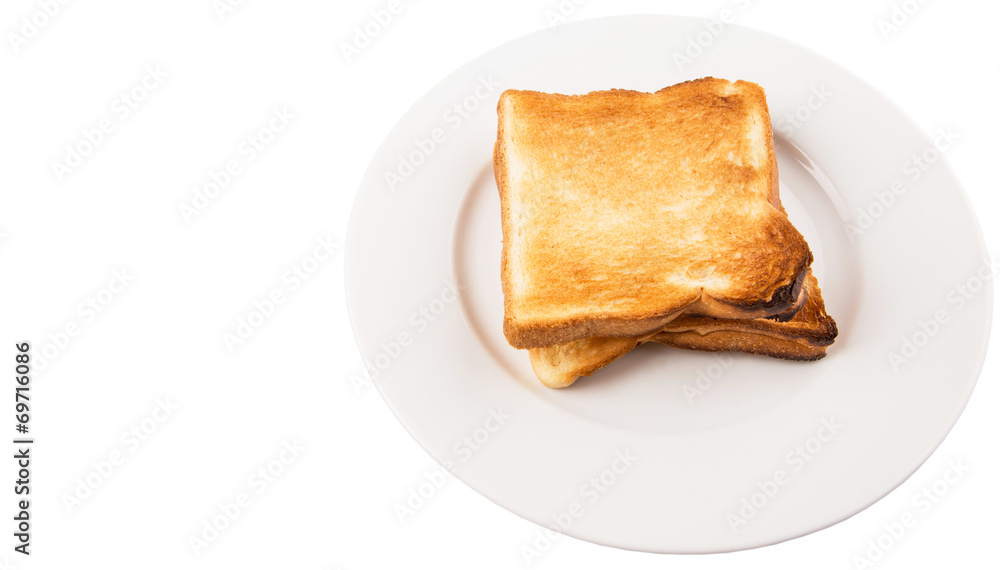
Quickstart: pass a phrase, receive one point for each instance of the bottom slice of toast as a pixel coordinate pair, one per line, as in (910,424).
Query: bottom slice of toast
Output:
(804,337)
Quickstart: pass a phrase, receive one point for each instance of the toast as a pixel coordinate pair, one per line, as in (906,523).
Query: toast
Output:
(622,210)
(804,337)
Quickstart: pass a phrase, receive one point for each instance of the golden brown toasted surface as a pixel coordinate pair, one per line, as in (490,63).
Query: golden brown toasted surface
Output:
(804,337)
(621,210)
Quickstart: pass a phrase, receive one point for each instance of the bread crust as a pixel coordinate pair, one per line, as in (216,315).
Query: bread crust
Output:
(734,341)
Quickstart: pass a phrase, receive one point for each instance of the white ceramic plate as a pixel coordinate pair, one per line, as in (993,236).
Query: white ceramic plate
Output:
(667,450)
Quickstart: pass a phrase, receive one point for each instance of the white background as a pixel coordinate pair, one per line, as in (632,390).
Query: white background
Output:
(296,378)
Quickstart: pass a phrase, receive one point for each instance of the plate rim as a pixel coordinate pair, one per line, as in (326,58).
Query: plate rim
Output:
(371,173)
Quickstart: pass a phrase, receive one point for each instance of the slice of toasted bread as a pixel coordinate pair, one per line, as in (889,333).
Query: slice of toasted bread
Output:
(804,337)
(621,210)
